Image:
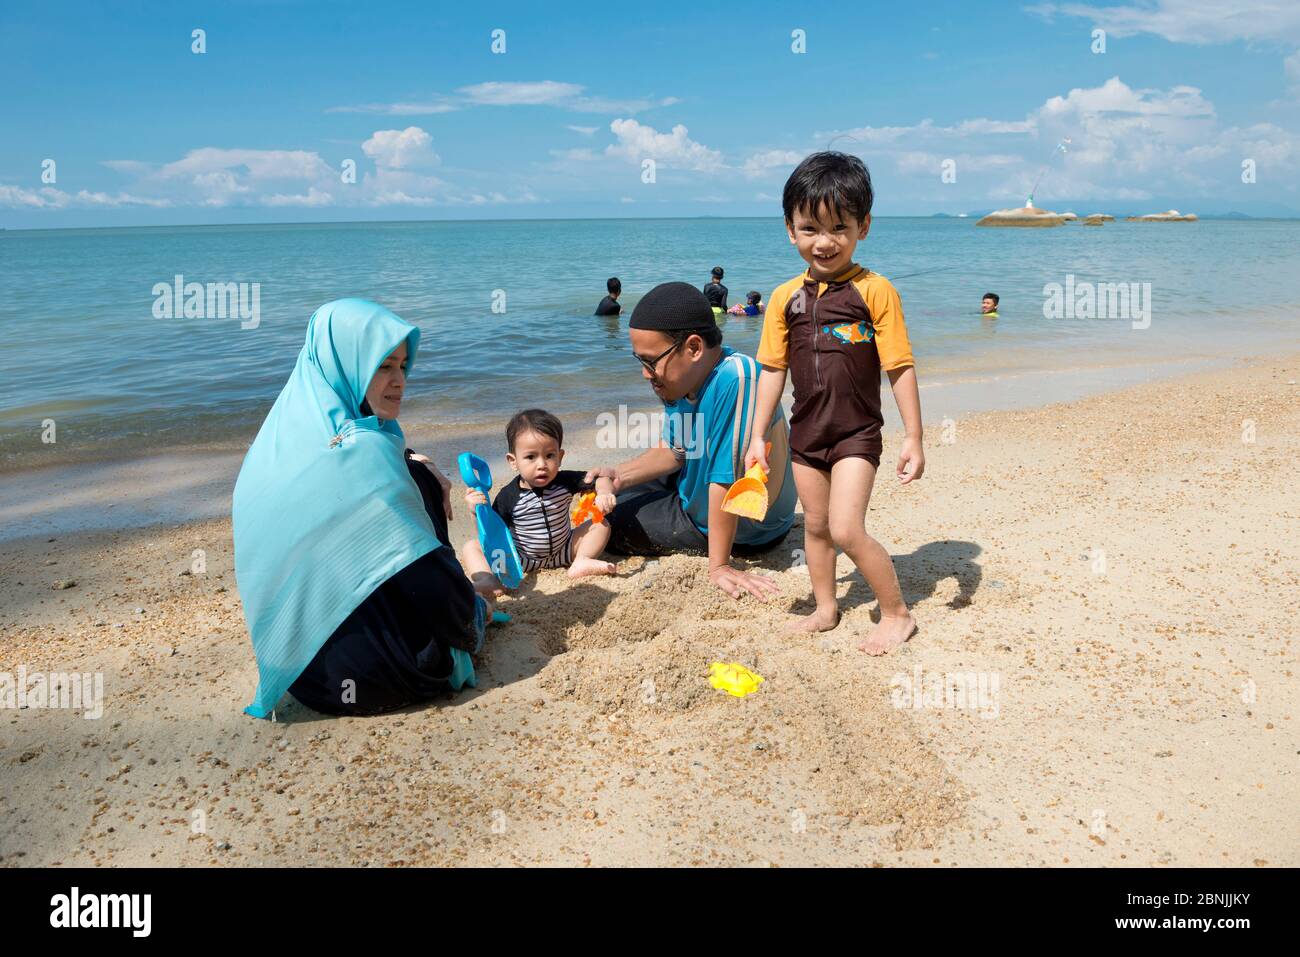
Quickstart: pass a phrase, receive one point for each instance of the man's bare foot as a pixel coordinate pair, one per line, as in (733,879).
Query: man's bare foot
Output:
(819,620)
(888,635)
(582,567)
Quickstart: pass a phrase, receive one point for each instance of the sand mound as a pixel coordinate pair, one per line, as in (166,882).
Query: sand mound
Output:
(822,731)
(1022,216)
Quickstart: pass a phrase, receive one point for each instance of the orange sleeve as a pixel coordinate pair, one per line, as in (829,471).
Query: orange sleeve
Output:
(774,346)
(887,321)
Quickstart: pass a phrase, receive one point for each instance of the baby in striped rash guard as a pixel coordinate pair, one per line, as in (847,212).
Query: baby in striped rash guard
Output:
(536,504)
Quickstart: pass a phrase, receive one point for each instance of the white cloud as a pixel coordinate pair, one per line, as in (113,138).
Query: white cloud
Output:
(400,109)
(260,164)
(1189,21)
(497,93)
(675,149)
(565,96)
(400,149)
(584,130)
(581,154)
(313,197)
(760,163)
(48,197)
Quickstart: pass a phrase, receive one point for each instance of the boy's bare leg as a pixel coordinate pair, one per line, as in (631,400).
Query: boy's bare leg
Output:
(814,488)
(851,483)
(480,572)
(588,542)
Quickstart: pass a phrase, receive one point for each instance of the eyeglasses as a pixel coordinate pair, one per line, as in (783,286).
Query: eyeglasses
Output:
(652,364)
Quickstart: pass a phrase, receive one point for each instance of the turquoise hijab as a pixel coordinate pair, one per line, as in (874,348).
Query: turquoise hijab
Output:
(325,510)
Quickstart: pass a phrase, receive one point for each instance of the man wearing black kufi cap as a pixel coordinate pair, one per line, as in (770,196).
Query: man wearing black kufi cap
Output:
(670,497)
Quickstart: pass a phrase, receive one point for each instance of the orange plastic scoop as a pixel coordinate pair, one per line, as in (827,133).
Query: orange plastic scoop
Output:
(584,507)
(747,496)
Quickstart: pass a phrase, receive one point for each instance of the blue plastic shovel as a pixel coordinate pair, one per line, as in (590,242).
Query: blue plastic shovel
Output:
(498,544)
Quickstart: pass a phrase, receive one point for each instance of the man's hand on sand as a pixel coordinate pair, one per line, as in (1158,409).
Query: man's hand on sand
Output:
(442,480)
(735,582)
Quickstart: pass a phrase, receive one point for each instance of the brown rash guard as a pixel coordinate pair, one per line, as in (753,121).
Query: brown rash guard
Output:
(835,338)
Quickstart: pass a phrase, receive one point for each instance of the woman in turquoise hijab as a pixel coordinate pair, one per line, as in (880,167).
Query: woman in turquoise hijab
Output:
(354,601)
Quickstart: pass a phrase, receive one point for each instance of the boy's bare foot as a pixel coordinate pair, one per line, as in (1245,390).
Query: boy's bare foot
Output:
(819,620)
(582,567)
(888,635)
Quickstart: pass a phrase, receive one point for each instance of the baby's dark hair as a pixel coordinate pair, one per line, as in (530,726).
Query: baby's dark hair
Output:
(754,296)
(613,286)
(534,420)
(993,296)
(716,272)
(836,180)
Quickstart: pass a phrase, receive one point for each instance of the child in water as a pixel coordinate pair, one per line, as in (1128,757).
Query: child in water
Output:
(753,306)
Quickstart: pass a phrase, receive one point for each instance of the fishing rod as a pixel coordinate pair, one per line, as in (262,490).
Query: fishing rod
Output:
(1061,146)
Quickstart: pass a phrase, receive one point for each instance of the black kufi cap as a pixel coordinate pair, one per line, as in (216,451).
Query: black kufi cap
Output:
(671,306)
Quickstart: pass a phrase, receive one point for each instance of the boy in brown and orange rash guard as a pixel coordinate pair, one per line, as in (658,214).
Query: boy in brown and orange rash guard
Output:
(834,328)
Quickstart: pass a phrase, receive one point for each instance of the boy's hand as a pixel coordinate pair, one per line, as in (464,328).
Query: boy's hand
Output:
(911,460)
(757,453)
(474,498)
(606,502)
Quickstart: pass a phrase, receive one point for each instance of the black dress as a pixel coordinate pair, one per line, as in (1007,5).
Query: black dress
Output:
(394,649)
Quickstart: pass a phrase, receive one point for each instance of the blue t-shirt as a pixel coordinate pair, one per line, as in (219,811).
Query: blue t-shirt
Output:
(715,431)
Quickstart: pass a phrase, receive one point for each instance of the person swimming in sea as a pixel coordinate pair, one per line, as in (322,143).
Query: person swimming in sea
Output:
(716,292)
(989,305)
(753,306)
(609,305)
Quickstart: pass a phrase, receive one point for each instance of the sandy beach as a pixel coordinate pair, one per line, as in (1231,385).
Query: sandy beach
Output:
(1116,578)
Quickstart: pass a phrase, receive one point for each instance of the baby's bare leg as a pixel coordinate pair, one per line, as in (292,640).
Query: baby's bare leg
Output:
(588,542)
(819,551)
(851,482)
(480,572)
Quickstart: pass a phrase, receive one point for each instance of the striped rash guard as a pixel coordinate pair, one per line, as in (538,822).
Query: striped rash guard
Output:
(539,518)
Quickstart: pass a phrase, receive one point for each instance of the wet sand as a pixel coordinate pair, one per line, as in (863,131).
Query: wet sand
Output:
(1119,576)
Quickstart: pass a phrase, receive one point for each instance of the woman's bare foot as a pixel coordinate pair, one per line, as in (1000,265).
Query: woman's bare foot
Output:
(888,635)
(823,619)
(487,585)
(582,567)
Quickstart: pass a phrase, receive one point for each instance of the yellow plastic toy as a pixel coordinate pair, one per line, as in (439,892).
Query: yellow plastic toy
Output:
(736,680)
(584,507)
(747,496)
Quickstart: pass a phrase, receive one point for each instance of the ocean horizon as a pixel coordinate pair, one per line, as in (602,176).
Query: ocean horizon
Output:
(505,307)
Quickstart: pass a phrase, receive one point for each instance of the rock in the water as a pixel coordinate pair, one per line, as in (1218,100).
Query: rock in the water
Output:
(1022,216)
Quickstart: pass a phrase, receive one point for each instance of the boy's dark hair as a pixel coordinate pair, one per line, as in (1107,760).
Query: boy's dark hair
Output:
(993,296)
(711,335)
(837,180)
(717,272)
(534,420)
(613,286)
(754,296)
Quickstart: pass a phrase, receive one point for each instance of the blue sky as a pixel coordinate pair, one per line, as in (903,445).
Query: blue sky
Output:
(143,130)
